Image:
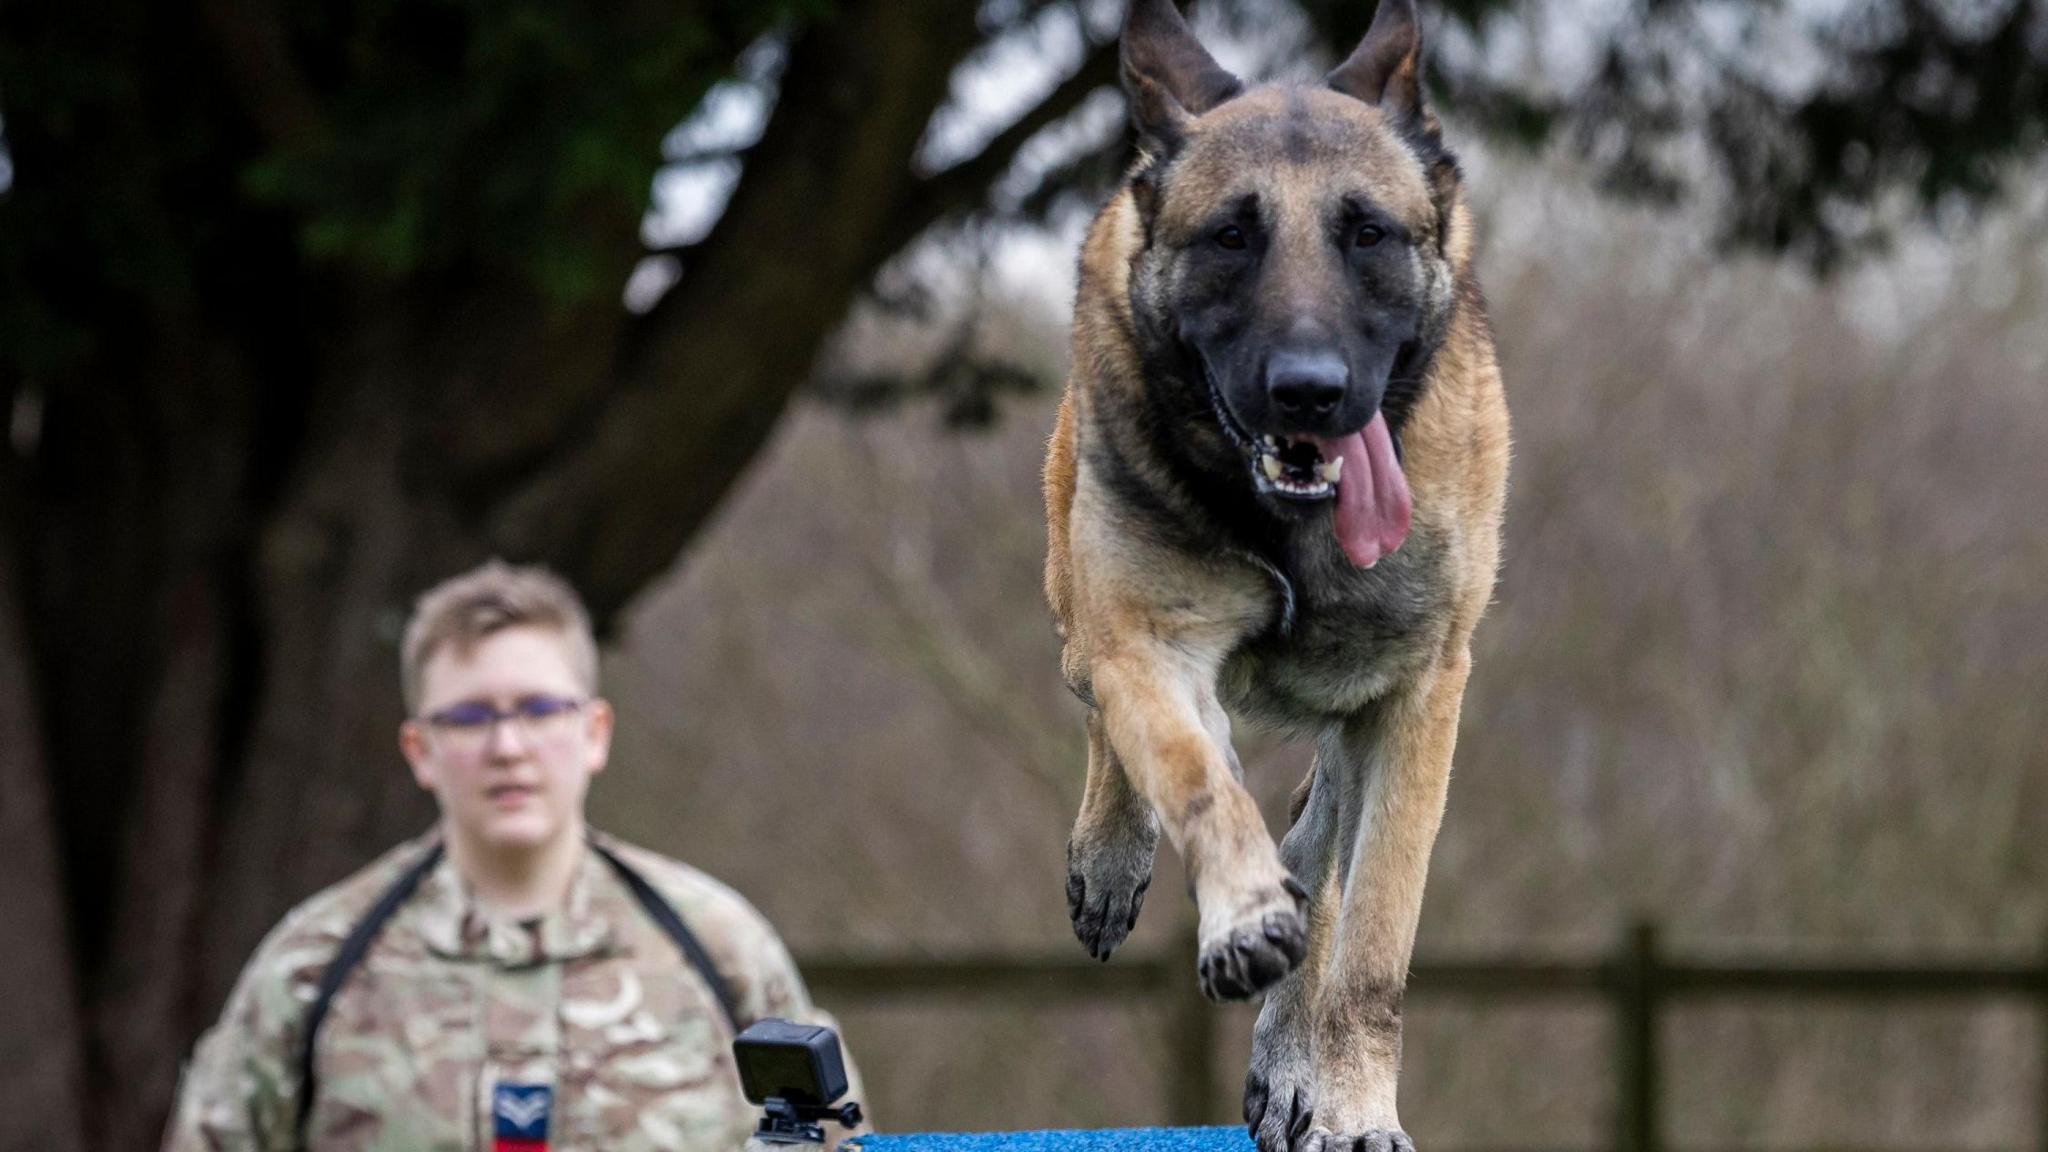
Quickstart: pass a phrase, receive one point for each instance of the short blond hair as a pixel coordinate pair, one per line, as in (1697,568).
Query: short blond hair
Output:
(461,611)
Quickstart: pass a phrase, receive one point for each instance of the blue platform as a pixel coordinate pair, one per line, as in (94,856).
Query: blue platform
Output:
(1233,1139)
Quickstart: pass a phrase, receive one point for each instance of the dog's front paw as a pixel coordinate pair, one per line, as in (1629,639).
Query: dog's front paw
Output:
(1279,1085)
(1318,1139)
(1278,1109)
(1105,890)
(1257,947)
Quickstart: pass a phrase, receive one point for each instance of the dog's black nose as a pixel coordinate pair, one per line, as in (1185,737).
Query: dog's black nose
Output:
(1306,385)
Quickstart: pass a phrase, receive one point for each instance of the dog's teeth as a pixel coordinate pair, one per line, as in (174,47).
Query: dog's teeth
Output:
(1328,469)
(1271,465)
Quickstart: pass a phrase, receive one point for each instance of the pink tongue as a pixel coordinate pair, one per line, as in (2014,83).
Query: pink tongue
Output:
(1372,495)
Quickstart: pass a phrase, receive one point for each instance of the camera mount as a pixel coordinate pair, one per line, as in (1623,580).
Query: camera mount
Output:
(785,1123)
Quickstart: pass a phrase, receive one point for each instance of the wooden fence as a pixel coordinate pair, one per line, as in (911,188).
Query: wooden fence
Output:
(1638,982)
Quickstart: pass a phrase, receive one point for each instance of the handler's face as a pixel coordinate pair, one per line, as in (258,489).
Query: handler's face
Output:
(507,739)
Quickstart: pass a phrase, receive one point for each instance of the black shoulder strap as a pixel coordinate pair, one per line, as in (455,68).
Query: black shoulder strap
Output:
(345,961)
(665,915)
(365,933)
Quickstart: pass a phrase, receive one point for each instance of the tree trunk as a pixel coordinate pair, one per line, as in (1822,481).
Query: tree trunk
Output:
(321,788)
(41,1045)
(187,670)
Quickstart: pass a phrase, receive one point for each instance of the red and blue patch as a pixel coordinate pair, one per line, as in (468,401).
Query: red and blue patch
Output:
(519,1117)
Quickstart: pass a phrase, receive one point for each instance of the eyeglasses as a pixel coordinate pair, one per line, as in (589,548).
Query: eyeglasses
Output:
(466,729)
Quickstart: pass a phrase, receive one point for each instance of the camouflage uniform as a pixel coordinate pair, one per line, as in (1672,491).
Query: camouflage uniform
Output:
(593,1000)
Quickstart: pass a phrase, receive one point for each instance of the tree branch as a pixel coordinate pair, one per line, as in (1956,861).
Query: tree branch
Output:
(965,185)
(826,197)
(718,358)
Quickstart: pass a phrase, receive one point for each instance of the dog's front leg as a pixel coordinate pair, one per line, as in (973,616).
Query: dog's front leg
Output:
(1109,855)
(1160,710)
(1279,1085)
(1399,761)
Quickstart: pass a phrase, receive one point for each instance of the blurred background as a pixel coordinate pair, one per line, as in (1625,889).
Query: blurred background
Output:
(749,317)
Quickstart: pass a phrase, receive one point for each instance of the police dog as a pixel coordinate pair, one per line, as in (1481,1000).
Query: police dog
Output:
(1274,488)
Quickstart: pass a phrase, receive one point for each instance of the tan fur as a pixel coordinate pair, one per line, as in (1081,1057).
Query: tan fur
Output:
(1152,634)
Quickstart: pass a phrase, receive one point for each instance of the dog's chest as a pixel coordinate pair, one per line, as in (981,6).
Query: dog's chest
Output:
(1354,633)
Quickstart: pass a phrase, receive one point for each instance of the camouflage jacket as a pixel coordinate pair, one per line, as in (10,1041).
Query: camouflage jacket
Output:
(594,1001)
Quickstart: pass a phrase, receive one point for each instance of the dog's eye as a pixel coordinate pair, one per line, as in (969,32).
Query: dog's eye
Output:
(1368,236)
(1231,237)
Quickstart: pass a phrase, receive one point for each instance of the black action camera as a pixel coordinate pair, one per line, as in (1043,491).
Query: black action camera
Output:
(795,1072)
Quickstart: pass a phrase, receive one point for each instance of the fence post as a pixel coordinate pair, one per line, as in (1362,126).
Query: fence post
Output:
(1636,987)
(2041,1026)
(1190,1037)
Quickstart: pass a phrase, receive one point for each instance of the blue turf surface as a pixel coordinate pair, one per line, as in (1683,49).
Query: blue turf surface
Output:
(1094,1140)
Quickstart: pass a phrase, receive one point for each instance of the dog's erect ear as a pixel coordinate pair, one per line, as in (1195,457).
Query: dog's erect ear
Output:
(1169,77)
(1386,70)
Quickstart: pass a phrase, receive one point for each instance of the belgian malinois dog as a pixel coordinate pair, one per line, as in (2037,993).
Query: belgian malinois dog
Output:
(1274,490)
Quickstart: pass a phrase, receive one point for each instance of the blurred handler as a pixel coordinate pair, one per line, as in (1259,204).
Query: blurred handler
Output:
(507,981)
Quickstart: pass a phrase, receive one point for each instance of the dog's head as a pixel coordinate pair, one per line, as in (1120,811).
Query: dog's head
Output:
(1295,275)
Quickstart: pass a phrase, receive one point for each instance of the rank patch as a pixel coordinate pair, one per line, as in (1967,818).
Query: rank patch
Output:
(519,1117)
